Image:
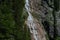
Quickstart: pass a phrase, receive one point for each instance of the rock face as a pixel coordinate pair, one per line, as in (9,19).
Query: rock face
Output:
(42,10)
(36,30)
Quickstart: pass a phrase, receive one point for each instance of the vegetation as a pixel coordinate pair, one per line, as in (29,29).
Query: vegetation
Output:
(12,20)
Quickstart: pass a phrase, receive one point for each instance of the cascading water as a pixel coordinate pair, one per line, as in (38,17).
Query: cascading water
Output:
(33,26)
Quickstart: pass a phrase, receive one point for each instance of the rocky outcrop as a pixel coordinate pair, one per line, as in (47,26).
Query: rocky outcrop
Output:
(43,10)
(36,29)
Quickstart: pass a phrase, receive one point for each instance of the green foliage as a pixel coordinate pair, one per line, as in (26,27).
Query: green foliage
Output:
(56,4)
(12,18)
(58,38)
(27,33)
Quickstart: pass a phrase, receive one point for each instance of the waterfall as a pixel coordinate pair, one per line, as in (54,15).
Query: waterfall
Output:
(33,25)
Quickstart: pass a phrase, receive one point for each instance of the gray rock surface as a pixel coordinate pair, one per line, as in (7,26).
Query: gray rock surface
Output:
(43,11)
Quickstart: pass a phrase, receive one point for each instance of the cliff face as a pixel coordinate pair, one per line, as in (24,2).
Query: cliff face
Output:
(47,12)
(36,29)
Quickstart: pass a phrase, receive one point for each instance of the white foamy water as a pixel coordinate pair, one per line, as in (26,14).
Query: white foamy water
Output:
(30,21)
(32,25)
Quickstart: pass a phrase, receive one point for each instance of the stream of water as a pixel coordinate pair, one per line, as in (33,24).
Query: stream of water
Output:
(33,26)
(30,21)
